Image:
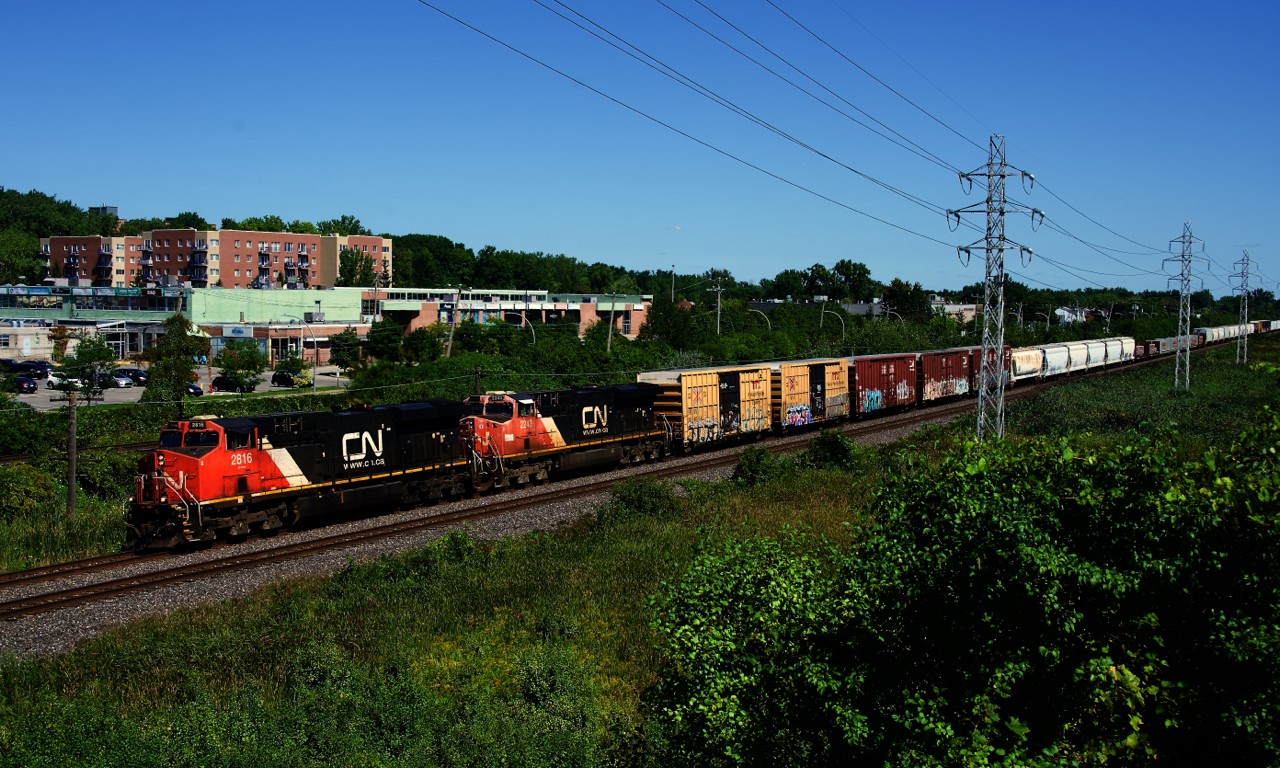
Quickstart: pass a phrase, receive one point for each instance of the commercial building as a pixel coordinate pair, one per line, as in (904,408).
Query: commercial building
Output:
(204,259)
(281,322)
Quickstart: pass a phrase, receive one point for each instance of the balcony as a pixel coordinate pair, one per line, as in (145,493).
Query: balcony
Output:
(104,251)
(304,260)
(198,260)
(264,261)
(104,261)
(288,263)
(71,261)
(145,248)
(145,261)
(199,247)
(264,250)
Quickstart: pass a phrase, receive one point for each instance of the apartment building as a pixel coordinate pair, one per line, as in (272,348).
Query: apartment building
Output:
(92,261)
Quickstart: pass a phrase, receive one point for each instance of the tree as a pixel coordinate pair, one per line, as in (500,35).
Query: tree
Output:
(173,361)
(90,358)
(302,228)
(293,362)
(190,220)
(344,349)
(907,299)
(787,283)
(243,362)
(384,340)
(18,257)
(669,323)
(856,279)
(344,225)
(421,346)
(355,269)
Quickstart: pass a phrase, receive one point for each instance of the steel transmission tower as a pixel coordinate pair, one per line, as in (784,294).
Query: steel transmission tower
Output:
(1242,341)
(1182,363)
(991,374)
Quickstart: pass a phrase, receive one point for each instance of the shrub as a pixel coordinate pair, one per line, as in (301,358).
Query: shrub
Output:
(1017,604)
(757,465)
(25,490)
(640,497)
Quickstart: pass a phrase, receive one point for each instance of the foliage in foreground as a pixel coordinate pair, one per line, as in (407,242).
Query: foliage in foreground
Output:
(1016,604)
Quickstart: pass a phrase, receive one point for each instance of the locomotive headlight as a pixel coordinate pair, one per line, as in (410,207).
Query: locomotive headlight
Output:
(160,459)
(164,498)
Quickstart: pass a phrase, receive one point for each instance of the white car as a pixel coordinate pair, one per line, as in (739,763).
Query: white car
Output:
(59,379)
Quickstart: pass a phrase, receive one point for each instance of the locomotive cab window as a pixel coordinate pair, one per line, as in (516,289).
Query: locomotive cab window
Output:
(498,411)
(198,439)
(170,438)
(475,409)
(525,408)
(238,440)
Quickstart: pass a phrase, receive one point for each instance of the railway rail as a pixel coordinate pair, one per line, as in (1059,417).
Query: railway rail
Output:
(68,597)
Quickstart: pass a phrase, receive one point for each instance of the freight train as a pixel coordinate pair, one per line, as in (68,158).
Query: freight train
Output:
(216,477)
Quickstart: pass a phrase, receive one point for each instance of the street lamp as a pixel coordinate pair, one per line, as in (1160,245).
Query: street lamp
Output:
(891,312)
(525,321)
(841,319)
(316,371)
(766,317)
(1046,319)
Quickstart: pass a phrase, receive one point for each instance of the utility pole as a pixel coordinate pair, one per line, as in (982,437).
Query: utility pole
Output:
(453,318)
(994,243)
(719,289)
(673,283)
(1242,341)
(1182,362)
(479,372)
(613,303)
(71,399)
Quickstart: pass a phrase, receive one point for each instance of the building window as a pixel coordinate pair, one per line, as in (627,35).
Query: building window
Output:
(275,260)
(237,243)
(119,271)
(119,246)
(386,263)
(386,249)
(200,242)
(313,273)
(133,259)
(366,249)
(213,243)
(288,247)
(166,243)
(237,257)
(275,247)
(4,340)
(237,273)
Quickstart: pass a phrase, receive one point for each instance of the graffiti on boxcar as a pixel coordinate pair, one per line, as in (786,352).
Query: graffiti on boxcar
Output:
(704,430)
(798,415)
(838,405)
(754,419)
(872,400)
(903,392)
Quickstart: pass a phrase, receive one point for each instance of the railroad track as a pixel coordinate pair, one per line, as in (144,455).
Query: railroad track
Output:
(66,598)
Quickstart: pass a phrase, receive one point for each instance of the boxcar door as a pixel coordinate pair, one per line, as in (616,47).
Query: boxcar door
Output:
(730,402)
(818,391)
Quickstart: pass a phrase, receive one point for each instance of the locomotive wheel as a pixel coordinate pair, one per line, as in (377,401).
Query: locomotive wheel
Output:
(485,486)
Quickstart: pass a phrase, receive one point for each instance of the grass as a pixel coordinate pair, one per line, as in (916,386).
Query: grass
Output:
(1222,401)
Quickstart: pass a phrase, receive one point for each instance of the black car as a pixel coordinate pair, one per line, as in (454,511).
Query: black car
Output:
(24,385)
(228,384)
(136,375)
(31,370)
(282,379)
(7,365)
(194,390)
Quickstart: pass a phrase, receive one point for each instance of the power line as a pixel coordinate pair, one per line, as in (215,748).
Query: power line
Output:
(868,74)
(927,155)
(675,130)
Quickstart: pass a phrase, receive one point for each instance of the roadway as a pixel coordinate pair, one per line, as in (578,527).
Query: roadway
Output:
(329,377)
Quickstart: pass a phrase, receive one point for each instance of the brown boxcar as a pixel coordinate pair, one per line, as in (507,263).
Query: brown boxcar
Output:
(702,405)
(1139,351)
(809,391)
(975,365)
(944,373)
(884,381)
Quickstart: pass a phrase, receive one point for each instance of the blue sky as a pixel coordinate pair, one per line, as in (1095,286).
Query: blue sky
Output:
(1141,114)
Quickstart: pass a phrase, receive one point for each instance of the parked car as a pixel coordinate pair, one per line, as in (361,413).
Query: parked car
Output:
(23,385)
(7,365)
(60,380)
(194,390)
(31,371)
(228,384)
(45,364)
(291,379)
(113,380)
(136,375)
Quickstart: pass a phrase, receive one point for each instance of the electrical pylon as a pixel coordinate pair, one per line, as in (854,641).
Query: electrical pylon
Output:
(1182,363)
(1242,341)
(991,375)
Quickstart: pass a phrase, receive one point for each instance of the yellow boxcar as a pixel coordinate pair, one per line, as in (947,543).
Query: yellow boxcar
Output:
(702,405)
(809,391)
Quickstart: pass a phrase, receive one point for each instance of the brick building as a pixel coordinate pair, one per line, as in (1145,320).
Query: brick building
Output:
(204,259)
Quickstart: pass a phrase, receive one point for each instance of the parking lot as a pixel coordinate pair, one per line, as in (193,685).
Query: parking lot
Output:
(329,377)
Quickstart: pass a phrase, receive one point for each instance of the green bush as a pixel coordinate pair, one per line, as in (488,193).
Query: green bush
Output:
(1017,604)
(640,497)
(758,465)
(830,449)
(25,490)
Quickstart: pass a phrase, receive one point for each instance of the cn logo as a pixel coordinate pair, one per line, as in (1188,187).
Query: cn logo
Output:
(595,417)
(366,444)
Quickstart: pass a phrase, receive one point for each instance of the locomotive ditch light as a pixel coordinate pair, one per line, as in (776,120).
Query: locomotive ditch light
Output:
(160,459)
